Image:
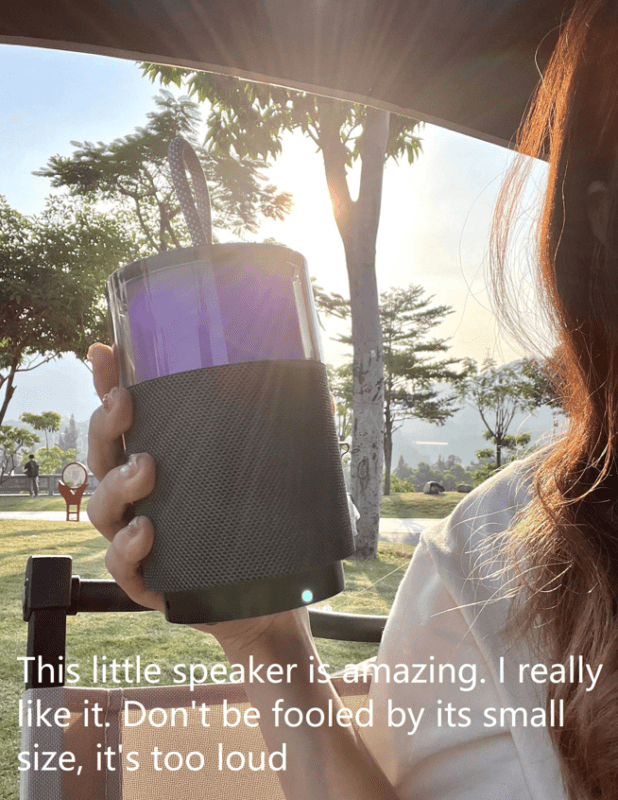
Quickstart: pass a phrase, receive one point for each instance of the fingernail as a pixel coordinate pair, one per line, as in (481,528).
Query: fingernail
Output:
(135,526)
(90,352)
(130,468)
(110,398)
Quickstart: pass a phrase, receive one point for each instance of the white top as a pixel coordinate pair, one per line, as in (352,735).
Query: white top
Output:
(451,609)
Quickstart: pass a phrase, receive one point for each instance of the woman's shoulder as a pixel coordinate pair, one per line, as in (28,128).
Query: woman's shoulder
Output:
(453,608)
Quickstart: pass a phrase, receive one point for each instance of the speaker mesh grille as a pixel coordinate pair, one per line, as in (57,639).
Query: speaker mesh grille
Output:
(249,480)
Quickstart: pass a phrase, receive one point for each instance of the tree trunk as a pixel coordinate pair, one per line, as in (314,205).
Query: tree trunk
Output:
(9,388)
(388,453)
(358,225)
(368,402)
(498,456)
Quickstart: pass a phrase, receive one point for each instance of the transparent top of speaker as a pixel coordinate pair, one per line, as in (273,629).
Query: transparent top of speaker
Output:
(210,306)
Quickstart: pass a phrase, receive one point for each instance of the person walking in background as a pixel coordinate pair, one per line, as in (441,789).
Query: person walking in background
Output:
(32,471)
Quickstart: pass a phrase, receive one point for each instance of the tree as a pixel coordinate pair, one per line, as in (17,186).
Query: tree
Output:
(48,421)
(499,393)
(488,464)
(133,172)
(12,442)
(544,375)
(452,461)
(403,470)
(455,475)
(68,439)
(52,277)
(423,474)
(250,119)
(52,459)
(410,366)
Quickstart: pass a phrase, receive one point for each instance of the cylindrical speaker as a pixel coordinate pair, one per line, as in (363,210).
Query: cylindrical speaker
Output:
(219,347)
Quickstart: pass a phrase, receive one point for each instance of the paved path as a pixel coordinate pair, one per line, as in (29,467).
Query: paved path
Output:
(401,530)
(391,530)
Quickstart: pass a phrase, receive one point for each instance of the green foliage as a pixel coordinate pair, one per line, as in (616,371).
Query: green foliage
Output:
(450,473)
(331,305)
(485,466)
(499,393)
(68,439)
(544,377)
(53,268)
(403,470)
(133,173)
(454,475)
(398,485)
(52,459)
(516,447)
(52,277)
(48,421)
(410,365)
(250,118)
(424,473)
(12,442)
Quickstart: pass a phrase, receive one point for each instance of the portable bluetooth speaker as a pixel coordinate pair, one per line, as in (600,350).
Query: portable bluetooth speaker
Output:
(218,344)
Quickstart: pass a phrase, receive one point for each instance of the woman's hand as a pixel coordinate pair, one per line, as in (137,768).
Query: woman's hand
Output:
(122,482)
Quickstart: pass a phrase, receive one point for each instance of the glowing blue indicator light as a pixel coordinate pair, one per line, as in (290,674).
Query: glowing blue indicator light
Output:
(307,596)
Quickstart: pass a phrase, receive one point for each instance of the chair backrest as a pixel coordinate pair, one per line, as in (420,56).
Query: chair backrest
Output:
(166,750)
(145,743)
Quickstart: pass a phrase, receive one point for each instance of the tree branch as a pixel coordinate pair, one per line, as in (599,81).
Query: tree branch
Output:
(36,366)
(143,225)
(375,139)
(335,154)
(485,421)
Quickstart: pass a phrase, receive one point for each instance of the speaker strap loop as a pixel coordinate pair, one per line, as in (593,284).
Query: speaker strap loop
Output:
(182,157)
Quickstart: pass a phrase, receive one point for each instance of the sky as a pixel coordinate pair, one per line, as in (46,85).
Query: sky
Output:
(435,217)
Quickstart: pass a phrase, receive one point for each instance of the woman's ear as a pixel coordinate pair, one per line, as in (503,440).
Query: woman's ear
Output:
(598,209)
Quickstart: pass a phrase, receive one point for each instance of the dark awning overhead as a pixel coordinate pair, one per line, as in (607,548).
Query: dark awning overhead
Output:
(468,65)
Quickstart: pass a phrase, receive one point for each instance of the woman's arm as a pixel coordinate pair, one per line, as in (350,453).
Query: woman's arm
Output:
(324,762)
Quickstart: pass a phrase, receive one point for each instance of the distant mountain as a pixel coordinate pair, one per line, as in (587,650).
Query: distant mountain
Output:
(462,435)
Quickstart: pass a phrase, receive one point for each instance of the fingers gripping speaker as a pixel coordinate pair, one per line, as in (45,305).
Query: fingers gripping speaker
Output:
(249,508)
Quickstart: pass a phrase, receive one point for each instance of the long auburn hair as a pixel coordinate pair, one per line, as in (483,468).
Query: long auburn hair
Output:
(568,534)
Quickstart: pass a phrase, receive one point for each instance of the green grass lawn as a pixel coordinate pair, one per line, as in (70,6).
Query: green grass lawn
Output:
(41,503)
(370,589)
(417,504)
